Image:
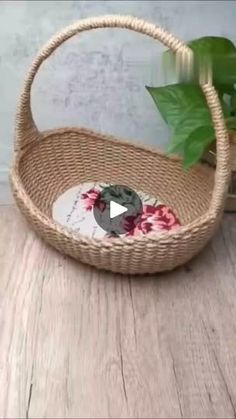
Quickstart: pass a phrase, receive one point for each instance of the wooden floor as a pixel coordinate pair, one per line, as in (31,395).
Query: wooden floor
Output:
(78,343)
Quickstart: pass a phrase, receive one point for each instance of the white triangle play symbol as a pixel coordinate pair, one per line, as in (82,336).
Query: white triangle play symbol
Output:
(116,209)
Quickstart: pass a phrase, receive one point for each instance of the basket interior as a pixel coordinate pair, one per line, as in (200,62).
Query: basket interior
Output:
(65,158)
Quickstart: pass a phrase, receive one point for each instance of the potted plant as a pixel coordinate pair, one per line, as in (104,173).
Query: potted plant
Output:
(183,105)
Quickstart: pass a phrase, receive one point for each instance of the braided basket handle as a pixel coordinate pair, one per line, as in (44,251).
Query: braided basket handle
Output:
(26,130)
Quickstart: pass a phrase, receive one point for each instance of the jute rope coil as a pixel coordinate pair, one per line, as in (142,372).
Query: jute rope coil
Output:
(47,163)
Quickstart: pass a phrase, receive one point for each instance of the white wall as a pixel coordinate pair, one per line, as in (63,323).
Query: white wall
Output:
(97,79)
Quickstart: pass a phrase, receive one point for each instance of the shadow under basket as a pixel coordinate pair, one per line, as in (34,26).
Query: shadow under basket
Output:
(210,157)
(48,163)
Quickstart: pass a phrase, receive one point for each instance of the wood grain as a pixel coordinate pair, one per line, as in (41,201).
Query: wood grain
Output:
(78,343)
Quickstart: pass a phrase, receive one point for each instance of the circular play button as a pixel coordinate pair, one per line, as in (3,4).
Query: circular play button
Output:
(117,209)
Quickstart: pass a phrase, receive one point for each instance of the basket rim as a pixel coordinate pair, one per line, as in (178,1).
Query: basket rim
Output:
(177,234)
(130,143)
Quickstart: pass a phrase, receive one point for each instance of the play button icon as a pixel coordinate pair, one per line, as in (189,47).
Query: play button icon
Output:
(117,209)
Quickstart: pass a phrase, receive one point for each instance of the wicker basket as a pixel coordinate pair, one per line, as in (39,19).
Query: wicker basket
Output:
(210,157)
(48,163)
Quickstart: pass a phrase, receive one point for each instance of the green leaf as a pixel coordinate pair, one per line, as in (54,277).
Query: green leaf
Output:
(220,52)
(196,144)
(224,73)
(193,153)
(204,134)
(185,110)
(212,45)
(181,102)
(176,145)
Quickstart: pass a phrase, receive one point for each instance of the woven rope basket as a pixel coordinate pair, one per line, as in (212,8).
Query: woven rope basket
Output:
(48,163)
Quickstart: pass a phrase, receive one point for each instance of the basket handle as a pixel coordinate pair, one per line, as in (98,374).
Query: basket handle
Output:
(26,130)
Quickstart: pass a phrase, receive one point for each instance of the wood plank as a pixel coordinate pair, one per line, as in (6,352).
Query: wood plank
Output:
(79,343)
(21,273)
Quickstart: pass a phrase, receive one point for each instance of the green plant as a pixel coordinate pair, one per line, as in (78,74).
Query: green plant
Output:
(183,105)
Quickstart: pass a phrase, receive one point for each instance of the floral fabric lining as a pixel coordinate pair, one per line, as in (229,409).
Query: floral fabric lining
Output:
(74,209)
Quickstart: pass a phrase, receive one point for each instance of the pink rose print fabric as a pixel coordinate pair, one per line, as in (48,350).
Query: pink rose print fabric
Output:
(89,198)
(74,210)
(154,218)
